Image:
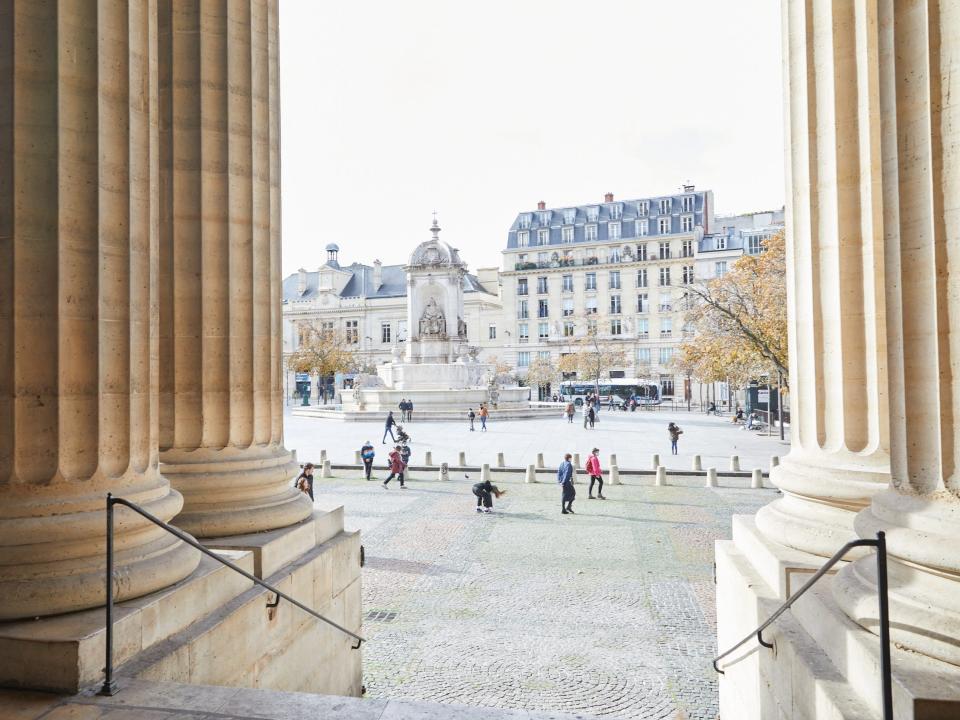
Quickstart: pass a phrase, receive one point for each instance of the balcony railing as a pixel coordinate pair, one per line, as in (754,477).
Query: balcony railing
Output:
(584,262)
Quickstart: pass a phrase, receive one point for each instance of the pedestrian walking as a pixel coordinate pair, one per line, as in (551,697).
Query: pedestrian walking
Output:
(485,492)
(304,481)
(388,428)
(366,455)
(484,413)
(586,412)
(405,454)
(591,415)
(396,467)
(568,492)
(471,415)
(595,473)
(403,409)
(570,411)
(675,432)
(409,410)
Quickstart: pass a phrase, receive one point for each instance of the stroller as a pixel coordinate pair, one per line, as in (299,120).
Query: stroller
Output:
(402,437)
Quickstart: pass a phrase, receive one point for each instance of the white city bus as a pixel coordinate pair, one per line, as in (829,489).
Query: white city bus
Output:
(646,392)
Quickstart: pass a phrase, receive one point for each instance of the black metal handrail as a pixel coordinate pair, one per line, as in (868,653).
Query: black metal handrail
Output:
(109,686)
(881,545)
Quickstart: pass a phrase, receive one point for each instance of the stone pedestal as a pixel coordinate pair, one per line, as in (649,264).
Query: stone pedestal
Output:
(78,307)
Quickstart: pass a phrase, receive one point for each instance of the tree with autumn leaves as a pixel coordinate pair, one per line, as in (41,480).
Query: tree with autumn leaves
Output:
(592,356)
(740,321)
(322,351)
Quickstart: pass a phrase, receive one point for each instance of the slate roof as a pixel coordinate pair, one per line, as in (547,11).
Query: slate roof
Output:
(394,283)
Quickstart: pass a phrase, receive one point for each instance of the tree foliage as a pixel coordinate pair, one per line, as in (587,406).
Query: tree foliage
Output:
(740,320)
(322,351)
(502,370)
(591,356)
(541,372)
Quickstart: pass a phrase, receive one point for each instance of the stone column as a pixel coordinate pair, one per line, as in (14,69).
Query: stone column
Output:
(919,80)
(221,441)
(78,306)
(835,272)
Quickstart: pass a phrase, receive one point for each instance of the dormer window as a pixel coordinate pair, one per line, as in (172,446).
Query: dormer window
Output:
(643,208)
(721,242)
(523,238)
(593,214)
(665,206)
(570,216)
(688,203)
(613,231)
(545,218)
(543,237)
(616,211)
(525,221)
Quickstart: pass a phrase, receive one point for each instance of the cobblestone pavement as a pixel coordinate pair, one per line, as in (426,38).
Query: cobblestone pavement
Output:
(609,612)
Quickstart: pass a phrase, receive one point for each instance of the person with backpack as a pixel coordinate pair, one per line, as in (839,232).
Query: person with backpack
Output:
(485,492)
(591,415)
(568,493)
(409,410)
(675,432)
(304,481)
(471,415)
(388,428)
(396,468)
(484,414)
(366,455)
(595,473)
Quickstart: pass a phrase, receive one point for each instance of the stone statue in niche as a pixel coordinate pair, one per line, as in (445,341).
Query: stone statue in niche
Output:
(461,328)
(432,322)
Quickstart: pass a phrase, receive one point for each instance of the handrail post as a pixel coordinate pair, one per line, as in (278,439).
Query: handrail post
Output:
(109,686)
(885,668)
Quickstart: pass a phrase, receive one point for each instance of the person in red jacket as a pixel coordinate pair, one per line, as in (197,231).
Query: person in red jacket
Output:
(397,466)
(595,473)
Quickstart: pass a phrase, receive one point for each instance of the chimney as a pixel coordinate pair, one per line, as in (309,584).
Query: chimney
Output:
(541,205)
(377,275)
(301,281)
(608,197)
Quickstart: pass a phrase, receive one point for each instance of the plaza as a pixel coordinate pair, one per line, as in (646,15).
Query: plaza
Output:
(609,612)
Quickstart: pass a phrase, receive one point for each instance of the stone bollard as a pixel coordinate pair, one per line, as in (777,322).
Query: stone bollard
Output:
(428,458)
(485,472)
(357,460)
(774,461)
(463,459)
(323,456)
(661,476)
(734,463)
(711,477)
(500,460)
(615,475)
(696,465)
(756,479)
(325,472)
(655,461)
(613,460)
(531,474)
(444,473)
(540,460)
(576,461)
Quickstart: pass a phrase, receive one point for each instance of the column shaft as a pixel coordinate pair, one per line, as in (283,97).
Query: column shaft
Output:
(222,441)
(78,307)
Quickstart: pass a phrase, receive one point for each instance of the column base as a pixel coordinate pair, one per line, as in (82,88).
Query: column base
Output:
(233,491)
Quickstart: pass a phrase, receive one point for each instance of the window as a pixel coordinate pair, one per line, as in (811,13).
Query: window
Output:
(592,326)
(641,252)
(643,328)
(568,328)
(665,225)
(665,304)
(686,223)
(567,285)
(523,332)
(688,330)
(720,268)
(543,259)
(613,255)
(643,207)
(664,251)
(385,332)
(666,327)
(590,281)
(522,286)
(666,384)
(643,227)
(523,359)
(590,232)
(666,355)
(569,216)
(590,306)
(616,328)
(541,285)
(353,331)
(754,244)
(721,242)
(544,355)
(567,306)
(687,250)
(522,258)
(566,234)
(642,278)
(544,217)
(643,303)
(614,279)
(543,309)
(688,274)
(525,220)
(593,214)
(523,311)
(614,304)
(613,231)
(665,206)
(643,356)
(688,203)
(492,332)
(523,238)
(326,326)
(543,330)
(664,276)
(543,237)
(616,210)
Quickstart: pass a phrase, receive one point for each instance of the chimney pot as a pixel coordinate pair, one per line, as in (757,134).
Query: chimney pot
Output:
(608,197)
(541,205)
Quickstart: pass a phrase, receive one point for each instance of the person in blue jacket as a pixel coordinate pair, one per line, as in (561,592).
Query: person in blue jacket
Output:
(565,480)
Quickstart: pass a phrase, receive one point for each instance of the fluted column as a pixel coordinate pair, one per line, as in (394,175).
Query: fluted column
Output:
(920,512)
(835,228)
(78,312)
(221,439)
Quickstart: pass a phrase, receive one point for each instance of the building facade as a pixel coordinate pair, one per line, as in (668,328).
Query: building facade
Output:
(735,235)
(617,266)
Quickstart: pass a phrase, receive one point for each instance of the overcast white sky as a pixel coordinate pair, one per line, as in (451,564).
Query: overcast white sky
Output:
(394,108)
